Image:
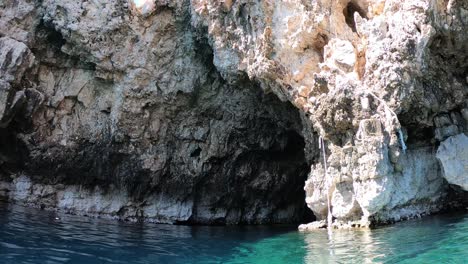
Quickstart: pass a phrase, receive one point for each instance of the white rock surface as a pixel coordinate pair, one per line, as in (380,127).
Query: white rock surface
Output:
(453,155)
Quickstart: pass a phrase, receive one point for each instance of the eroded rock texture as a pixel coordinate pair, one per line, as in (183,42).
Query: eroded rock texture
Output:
(453,155)
(125,115)
(211,111)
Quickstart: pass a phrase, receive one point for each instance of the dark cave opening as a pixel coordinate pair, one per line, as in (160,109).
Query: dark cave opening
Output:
(258,181)
(292,154)
(261,179)
(267,141)
(420,135)
(349,11)
(10,153)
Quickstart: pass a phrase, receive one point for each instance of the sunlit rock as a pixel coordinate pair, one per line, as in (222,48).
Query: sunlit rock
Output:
(453,155)
(211,111)
(144,6)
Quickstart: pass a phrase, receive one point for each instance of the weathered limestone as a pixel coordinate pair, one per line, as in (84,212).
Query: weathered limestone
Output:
(210,111)
(112,203)
(453,155)
(127,117)
(16,58)
(372,79)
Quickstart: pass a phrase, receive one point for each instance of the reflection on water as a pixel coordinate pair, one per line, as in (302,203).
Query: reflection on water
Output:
(34,236)
(357,246)
(439,239)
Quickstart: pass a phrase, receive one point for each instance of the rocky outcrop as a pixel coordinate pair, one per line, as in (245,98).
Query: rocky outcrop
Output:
(16,58)
(212,111)
(453,155)
(135,122)
(373,79)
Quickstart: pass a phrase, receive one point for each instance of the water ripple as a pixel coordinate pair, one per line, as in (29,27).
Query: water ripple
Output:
(34,236)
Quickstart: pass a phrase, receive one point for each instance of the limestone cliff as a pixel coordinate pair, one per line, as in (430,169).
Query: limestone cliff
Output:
(216,111)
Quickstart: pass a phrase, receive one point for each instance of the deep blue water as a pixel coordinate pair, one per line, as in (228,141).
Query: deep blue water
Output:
(34,236)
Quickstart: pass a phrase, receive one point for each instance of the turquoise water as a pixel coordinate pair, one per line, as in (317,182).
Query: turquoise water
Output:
(33,236)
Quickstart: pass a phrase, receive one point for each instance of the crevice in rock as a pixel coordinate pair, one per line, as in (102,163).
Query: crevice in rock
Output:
(11,150)
(419,136)
(348,12)
(48,49)
(457,199)
(320,42)
(53,36)
(196,153)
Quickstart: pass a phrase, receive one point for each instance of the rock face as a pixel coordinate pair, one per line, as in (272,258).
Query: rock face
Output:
(106,111)
(453,155)
(211,111)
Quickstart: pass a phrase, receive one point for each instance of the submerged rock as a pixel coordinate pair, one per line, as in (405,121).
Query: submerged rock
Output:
(211,111)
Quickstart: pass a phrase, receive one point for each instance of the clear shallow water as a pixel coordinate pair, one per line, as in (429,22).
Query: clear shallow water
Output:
(33,236)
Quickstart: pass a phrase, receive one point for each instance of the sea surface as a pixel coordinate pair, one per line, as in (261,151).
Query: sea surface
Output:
(33,236)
